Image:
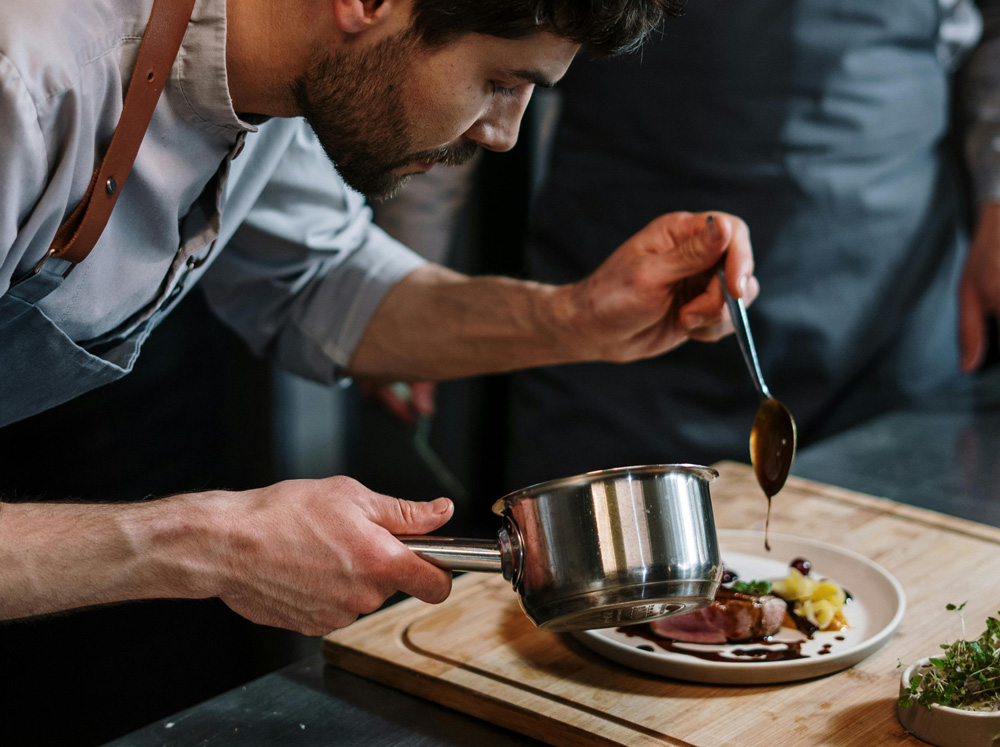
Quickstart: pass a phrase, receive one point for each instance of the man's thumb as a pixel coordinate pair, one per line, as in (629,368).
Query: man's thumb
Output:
(402,517)
(702,250)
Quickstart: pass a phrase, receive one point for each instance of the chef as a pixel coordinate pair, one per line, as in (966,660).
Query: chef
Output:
(137,160)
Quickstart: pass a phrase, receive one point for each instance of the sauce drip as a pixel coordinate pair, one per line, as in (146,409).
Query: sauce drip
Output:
(763,650)
(772,448)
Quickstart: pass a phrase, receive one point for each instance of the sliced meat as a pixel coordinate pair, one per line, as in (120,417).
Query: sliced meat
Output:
(732,616)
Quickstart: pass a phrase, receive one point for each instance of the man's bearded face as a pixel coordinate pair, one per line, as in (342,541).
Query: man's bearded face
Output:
(355,103)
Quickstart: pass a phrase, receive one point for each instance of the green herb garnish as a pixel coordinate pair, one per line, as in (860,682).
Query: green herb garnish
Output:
(757,588)
(967,676)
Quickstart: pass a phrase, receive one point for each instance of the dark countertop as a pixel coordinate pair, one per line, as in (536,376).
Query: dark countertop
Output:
(310,703)
(942,454)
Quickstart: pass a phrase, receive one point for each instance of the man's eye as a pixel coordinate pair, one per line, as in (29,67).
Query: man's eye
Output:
(500,90)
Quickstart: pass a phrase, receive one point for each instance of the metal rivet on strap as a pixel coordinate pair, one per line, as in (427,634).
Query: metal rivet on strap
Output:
(48,255)
(112,185)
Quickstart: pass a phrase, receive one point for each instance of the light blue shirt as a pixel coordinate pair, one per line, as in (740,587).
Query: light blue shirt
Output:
(294,264)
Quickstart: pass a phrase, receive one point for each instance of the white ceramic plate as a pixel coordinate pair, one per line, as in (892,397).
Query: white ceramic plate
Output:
(873,615)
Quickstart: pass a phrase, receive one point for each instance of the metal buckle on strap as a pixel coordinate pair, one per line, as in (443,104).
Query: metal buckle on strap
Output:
(49,255)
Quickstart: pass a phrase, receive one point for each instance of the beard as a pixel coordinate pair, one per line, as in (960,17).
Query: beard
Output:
(354,103)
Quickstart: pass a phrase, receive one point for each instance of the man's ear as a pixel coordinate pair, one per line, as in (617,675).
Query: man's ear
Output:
(355,16)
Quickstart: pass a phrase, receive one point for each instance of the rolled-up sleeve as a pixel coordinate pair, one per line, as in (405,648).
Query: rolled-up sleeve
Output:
(980,87)
(304,272)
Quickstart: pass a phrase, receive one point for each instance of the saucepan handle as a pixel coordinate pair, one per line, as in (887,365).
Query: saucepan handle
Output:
(458,554)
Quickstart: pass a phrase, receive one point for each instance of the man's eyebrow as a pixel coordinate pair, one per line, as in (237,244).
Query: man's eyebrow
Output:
(534,76)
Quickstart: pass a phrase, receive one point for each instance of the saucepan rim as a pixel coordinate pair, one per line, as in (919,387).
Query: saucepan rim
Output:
(588,478)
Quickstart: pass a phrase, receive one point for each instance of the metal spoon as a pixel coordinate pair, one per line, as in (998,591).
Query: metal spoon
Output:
(772,437)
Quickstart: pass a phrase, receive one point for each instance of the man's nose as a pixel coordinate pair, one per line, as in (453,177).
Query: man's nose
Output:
(500,137)
(498,130)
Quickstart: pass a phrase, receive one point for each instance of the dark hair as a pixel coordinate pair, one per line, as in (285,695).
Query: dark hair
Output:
(605,27)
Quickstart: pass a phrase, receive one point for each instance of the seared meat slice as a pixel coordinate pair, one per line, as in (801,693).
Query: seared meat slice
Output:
(732,616)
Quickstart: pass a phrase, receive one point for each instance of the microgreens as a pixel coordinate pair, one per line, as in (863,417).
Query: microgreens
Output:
(967,676)
(757,588)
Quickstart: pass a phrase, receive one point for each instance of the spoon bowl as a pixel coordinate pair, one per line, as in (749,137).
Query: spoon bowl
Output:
(772,445)
(773,435)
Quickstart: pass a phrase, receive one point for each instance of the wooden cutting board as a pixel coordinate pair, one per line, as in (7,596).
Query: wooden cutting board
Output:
(478,653)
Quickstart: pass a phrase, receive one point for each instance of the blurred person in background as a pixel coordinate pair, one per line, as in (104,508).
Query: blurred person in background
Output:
(860,141)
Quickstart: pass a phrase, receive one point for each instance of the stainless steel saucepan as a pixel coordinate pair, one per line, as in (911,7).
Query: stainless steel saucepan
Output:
(601,549)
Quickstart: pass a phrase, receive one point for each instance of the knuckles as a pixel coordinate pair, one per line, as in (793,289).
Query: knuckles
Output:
(328,623)
(369,600)
(439,592)
(405,509)
(342,486)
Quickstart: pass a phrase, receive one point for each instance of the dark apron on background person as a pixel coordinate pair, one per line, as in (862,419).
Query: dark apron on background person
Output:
(824,124)
(41,366)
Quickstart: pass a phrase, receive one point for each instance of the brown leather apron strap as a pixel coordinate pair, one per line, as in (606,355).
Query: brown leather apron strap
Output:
(80,231)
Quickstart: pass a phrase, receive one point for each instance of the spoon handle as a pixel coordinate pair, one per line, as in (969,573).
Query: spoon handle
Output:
(738,313)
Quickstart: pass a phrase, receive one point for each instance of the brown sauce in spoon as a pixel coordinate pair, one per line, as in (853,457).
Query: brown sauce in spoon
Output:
(772,448)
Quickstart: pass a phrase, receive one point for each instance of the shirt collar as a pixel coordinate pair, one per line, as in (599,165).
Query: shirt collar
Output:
(200,72)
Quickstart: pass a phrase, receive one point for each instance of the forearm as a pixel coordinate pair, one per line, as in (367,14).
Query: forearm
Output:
(438,324)
(308,555)
(61,556)
(654,292)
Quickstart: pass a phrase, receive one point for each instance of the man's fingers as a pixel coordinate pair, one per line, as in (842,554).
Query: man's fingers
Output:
(399,408)
(409,517)
(720,237)
(393,398)
(407,571)
(706,318)
(422,579)
(972,329)
(700,251)
(422,393)
(707,308)
(738,261)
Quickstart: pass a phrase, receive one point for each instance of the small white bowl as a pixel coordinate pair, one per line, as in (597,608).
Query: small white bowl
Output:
(943,726)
